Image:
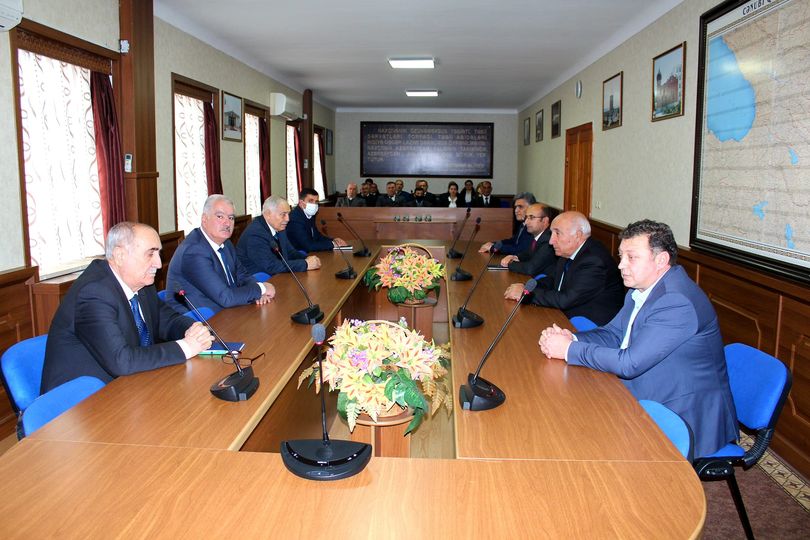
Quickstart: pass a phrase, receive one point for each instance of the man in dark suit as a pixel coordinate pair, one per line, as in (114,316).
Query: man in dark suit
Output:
(419,199)
(256,248)
(400,190)
(431,198)
(487,199)
(302,230)
(520,240)
(206,267)
(112,323)
(664,344)
(392,198)
(539,258)
(351,198)
(585,282)
(366,195)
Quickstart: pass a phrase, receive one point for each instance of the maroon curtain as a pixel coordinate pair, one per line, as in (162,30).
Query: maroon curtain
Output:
(298,158)
(264,158)
(212,168)
(325,194)
(109,158)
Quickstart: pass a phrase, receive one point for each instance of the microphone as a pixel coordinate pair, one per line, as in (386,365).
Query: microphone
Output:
(364,252)
(238,386)
(465,318)
(348,272)
(310,314)
(453,254)
(324,459)
(463,275)
(479,394)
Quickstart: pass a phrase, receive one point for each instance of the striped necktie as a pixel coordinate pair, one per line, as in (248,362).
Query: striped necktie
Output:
(144,336)
(225,263)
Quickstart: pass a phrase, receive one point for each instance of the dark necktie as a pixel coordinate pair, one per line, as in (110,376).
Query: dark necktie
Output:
(534,244)
(562,277)
(486,201)
(226,263)
(143,332)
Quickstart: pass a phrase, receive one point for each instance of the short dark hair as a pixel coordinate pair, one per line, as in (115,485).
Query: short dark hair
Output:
(527,196)
(369,181)
(451,184)
(658,234)
(307,191)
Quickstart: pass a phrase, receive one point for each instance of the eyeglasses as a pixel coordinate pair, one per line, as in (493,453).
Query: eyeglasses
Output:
(244,362)
(534,217)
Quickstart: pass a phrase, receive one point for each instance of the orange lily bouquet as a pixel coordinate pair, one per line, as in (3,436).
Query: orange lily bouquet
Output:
(407,274)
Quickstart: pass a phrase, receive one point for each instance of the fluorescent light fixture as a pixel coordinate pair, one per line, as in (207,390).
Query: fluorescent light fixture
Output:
(422,93)
(412,63)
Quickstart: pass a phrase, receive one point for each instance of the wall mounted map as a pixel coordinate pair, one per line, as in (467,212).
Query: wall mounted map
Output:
(752,152)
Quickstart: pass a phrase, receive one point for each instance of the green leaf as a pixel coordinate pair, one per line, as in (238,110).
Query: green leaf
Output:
(389,388)
(399,396)
(342,401)
(377,371)
(417,420)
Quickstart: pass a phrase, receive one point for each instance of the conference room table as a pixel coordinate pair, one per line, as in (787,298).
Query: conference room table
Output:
(570,454)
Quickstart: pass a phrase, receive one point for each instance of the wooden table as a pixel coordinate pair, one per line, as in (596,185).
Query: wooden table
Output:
(570,453)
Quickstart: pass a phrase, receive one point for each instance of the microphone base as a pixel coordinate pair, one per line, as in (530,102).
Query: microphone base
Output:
(309,315)
(461,275)
(346,273)
(236,386)
(453,254)
(314,459)
(480,395)
(362,253)
(467,319)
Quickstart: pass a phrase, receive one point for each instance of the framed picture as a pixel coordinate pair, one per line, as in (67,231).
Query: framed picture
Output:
(667,83)
(538,126)
(231,117)
(328,141)
(612,101)
(556,119)
(527,131)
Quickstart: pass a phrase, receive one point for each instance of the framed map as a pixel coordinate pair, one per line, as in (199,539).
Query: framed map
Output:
(751,191)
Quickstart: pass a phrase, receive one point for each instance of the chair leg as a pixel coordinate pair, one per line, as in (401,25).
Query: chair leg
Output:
(738,502)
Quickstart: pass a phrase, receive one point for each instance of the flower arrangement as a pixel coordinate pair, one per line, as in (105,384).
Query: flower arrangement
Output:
(377,364)
(408,275)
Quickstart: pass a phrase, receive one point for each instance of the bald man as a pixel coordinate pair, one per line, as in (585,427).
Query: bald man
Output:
(351,198)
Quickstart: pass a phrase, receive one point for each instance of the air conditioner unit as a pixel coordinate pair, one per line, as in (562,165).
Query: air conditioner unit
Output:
(286,107)
(11,12)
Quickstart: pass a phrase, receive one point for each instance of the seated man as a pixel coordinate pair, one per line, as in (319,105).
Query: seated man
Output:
(428,196)
(302,230)
(585,282)
(487,199)
(519,241)
(206,267)
(365,194)
(351,198)
(266,232)
(392,198)
(419,199)
(664,344)
(400,189)
(540,257)
(112,323)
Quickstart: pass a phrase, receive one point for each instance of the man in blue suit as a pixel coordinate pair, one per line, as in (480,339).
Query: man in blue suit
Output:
(205,265)
(302,230)
(256,248)
(664,344)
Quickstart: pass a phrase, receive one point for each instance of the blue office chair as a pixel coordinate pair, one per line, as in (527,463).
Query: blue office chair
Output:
(206,312)
(261,276)
(673,426)
(759,385)
(56,401)
(162,294)
(582,323)
(22,371)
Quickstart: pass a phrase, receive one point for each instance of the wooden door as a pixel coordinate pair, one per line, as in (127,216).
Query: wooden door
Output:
(578,148)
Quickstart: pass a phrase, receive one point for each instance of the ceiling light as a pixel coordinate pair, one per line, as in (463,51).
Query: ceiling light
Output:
(422,93)
(412,63)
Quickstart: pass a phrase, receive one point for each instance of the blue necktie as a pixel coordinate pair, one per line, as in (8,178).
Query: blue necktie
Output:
(143,332)
(562,277)
(227,265)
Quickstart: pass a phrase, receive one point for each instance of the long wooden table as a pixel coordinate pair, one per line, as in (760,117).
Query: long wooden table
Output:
(570,453)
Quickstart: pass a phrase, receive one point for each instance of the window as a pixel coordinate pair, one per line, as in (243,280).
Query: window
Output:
(318,170)
(293,171)
(257,158)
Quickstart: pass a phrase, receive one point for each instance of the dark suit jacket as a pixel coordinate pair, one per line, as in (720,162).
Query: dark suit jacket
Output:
(494,202)
(463,196)
(304,235)
(255,250)
(540,260)
(443,201)
(94,333)
(195,268)
(400,200)
(592,286)
(371,200)
(345,202)
(674,356)
(518,243)
(425,203)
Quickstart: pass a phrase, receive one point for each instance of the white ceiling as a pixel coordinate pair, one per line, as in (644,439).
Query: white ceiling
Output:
(491,54)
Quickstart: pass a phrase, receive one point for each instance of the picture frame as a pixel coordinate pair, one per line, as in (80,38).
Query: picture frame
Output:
(556,119)
(612,101)
(328,142)
(668,78)
(232,115)
(527,130)
(538,126)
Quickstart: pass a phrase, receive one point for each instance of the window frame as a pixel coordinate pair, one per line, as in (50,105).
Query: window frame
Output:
(262,111)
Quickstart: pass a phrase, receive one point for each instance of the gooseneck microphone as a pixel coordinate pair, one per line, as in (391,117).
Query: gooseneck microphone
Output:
(463,275)
(348,272)
(363,252)
(237,386)
(324,459)
(465,318)
(479,394)
(453,254)
(310,314)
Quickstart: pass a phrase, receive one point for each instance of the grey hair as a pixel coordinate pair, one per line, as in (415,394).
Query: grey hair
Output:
(527,196)
(272,203)
(121,234)
(581,223)
(212,200)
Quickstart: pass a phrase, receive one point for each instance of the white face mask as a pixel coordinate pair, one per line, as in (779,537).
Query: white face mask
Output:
(311,209)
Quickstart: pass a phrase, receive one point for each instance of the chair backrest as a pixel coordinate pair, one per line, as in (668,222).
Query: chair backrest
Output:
(206,312)
(582,323)
(162,294)
(22,370)
(759,385)
(56,401)
(673,426)
(261,277)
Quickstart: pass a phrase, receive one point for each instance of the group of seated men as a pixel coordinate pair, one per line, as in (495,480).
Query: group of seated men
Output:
(421,197)
(660,337)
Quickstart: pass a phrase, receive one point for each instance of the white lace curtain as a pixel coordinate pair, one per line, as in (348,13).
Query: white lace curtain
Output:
(253,202)
(292,168)
(189,161)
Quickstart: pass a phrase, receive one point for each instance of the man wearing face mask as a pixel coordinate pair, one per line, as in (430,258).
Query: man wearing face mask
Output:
(302,230)
(420,199)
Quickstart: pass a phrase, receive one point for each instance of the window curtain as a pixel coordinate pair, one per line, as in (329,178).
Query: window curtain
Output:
(189,161)
(291,163)
(108,151)
(297,137)
(264,158)
(322,154)
(212,167)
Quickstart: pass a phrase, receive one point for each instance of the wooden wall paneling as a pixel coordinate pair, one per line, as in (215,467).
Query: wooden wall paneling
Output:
(170,241)
(46,297)
(239,227)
